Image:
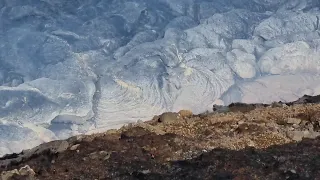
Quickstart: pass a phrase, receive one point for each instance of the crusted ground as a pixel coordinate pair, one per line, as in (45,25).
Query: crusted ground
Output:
(278,141)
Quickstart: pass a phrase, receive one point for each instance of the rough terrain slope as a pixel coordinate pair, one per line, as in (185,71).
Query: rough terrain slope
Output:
(241,141)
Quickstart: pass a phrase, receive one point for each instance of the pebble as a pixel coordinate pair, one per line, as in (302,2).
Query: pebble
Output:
(106,155)
(251,143)
(63,146)
(146,171)
(293,121)
(100,155)
(293,171)
(74,147)
(240,122)
(295,126)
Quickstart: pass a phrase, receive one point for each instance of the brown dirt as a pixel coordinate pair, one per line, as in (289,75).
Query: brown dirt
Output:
(253,142)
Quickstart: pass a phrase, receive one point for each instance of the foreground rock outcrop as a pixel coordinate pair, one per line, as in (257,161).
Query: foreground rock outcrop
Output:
(241,141)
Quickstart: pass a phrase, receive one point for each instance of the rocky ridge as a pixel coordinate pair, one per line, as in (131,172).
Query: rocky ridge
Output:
(239,141)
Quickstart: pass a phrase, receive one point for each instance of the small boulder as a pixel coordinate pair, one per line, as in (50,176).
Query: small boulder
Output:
(312,134)
(185,113)
(168,117)
(74,147)
(220,108)
(293,121)
(103,155)
(26,171)
(296,135)
(299,135)
(64,145)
